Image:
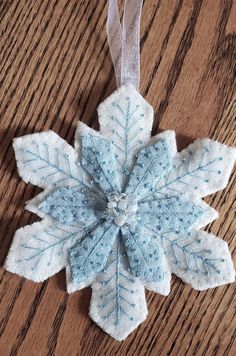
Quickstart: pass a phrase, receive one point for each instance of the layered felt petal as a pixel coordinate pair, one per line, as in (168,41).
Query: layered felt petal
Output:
(40,250)
(151,164)
(208,215)
(46,160)
(201,169)
(169,137)
(200,259)
(68,205)
(169,214)
(83,129)
(118,302)
(144,256)
(99,161)
(125,119)
(72,286)
(162,287)
(90,255)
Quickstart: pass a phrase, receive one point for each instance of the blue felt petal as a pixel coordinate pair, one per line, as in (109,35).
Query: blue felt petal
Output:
(68,204)
(90,255)
(145,257)
(174,214)
(99,161)
(152,163)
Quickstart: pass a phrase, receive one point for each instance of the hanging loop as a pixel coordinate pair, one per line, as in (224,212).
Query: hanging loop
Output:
(124,41)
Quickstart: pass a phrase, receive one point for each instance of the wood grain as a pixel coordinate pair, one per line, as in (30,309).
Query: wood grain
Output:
(55,69)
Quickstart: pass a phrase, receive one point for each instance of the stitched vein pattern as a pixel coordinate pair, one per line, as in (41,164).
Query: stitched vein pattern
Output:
(55,239)
(193,169)
(126,121)
(116,300)
(186,252)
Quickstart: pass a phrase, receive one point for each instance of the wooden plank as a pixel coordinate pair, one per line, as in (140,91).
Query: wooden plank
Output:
(55,69)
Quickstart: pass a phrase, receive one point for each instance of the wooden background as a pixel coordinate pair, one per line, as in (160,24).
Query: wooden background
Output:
(55,69)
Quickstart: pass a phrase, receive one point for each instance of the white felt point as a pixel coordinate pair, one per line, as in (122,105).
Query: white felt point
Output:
(32,250)
(118,308)
(125,119)
(202,260)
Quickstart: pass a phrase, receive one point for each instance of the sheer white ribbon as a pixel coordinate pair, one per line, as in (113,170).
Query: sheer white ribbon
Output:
(124,41)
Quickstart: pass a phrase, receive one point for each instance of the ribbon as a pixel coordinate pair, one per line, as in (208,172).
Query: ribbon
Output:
(124,41)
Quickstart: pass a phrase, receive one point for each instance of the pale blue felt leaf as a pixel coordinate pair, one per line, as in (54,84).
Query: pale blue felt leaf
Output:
(152,163)
(144,255)
(169,214)
(90,255)
(68,205)
(99,161)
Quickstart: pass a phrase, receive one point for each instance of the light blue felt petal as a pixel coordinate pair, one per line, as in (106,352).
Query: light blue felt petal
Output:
(90,255)
(99,161)
(152,163)
(173,214)
(145,257)
(68,204)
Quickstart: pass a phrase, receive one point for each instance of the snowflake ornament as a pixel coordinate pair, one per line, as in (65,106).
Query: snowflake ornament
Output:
(122,211)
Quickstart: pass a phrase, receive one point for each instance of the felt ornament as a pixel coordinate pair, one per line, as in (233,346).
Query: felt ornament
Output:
(122,210)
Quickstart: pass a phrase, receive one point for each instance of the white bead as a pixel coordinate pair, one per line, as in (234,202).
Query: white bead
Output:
(113,196)
(132,208)
(122,205)
(120,220)
(111,204)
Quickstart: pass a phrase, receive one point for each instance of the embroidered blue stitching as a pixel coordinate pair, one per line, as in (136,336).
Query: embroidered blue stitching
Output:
(126,140)
(52,165)
(178,179)
(207,262)
(116,294)
(62,241)
(190,173)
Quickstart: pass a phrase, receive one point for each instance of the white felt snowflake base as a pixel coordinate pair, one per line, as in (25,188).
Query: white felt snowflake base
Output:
(42,249)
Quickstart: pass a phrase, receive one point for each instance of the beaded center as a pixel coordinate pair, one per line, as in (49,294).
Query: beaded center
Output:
(121,208)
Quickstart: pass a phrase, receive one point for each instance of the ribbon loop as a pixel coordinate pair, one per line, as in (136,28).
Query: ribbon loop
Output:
(124,41)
